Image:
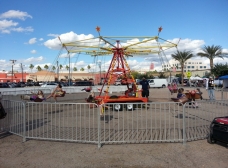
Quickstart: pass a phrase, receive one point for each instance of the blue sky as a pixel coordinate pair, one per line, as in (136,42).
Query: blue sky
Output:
(28,28)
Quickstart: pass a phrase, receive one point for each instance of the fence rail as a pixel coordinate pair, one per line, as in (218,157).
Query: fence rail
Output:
(118,123)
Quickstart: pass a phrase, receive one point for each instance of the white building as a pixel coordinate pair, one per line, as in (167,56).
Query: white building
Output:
(190,65)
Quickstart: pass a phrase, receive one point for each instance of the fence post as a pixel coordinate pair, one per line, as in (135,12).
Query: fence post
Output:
(24,123)
(184,125)
(99,126)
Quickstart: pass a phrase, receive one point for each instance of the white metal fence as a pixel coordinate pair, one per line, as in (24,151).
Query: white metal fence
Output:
(132,123)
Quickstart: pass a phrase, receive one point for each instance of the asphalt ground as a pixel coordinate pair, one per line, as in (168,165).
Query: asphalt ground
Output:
(35,153)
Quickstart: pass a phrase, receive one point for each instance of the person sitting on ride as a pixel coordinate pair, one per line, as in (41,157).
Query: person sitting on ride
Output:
(38,95)
(170,88)
(88,89)
(91,97)
(200,93)
(58,92)
(180,93)
(174,86)
(181,97)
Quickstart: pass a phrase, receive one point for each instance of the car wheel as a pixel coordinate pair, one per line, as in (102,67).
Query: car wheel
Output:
(163,86)
(210,139)
(118,107)
(129,107)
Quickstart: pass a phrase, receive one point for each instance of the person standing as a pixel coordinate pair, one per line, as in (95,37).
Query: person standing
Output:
(145,88)
(210,88)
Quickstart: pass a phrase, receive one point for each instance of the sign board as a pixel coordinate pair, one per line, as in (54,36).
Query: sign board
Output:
(188,74)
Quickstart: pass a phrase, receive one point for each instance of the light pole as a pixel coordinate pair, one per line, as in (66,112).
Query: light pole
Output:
(99,64)
(170,74)
(22,72)
(13,62)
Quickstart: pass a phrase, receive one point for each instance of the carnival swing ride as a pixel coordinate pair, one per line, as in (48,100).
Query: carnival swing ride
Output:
(120,48)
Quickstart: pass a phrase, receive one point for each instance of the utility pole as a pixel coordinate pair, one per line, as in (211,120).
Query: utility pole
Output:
(57,71)
(69,71)
(13,62)
(99,64)
(22,72)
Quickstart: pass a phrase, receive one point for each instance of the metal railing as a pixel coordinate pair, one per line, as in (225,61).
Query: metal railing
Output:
(111,123)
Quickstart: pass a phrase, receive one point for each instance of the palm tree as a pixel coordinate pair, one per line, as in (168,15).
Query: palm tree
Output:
(46,67)
(75,69)
(39,68)
(60,66)
(67,67)
(211,52)
(182,57)
(88,67)
(31,66)
(53,68)
(82,69)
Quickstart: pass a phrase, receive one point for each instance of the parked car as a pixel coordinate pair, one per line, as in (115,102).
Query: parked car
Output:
(36,84)
(29,84)
(4,85)
(12,85)
(20,84)
(84,83)
(51,85)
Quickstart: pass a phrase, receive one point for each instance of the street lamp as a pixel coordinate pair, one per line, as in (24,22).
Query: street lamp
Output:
(22,72)
(170,74)
(13,62)
(99,64)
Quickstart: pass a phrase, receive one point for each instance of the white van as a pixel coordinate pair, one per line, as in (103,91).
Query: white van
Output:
(158,83)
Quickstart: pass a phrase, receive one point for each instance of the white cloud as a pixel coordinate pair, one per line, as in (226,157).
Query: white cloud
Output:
(53,35)
(41,39)
(6,26)
(65,38)
(15,14)
(33,51)
(21,29)
(7,23)
(32,41)
(33,59)
(65,55)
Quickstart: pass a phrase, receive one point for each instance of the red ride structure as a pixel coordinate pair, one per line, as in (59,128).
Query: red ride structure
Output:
(120,48)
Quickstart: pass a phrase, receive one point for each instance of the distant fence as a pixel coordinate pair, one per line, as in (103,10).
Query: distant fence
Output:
(119,123)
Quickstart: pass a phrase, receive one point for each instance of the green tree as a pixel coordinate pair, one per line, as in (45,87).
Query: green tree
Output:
(150,75)
(60,66)
(39,68)
(212,52)
(220,69)
(53,68)
(82,69)
(135,74)
(161,75)
(182,57)
(46,67)
(67,67)
(75,69)
(88,67)
(31,66)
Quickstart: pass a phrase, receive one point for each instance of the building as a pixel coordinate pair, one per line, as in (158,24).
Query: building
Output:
(190,65)
(13,77)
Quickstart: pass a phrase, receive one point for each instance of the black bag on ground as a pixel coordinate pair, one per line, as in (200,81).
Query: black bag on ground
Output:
(2,112)
(218,130)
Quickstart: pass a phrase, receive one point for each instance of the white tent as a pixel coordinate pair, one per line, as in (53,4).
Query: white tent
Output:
(195,78)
